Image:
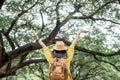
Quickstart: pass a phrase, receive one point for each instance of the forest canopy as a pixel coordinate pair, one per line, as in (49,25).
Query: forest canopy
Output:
(97,52)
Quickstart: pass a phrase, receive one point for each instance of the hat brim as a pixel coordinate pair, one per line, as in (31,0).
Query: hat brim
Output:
(59,49)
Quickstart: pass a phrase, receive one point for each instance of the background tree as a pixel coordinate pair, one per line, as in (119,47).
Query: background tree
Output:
(96,53)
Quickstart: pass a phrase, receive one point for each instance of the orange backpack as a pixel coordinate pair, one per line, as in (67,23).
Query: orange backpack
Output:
(58,69)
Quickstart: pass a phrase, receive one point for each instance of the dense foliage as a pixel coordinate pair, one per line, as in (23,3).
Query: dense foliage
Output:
(97,52)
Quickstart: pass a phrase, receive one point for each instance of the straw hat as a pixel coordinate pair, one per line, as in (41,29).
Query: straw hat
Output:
(60,46)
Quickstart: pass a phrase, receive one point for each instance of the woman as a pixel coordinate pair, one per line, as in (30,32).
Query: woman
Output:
(59,51)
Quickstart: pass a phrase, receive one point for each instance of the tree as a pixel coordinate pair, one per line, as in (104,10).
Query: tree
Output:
(60,20)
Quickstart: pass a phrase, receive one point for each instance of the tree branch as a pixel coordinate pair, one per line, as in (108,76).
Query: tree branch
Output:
(95,12)
(57,27)
(95,19)
(12,71)
(10,41)
(1,46)
(101,7)
(18,16)
(108,63)
(43,25)
(26,63)
(92,52)
(103,19)
(92,73)
(57,13)
(119,1)
(21,51)
(1,3)
(13,23)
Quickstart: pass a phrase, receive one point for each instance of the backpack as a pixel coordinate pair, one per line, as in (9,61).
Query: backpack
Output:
(58,69)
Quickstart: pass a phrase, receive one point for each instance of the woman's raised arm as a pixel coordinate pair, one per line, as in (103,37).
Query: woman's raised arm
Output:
(77,37)
(39,40)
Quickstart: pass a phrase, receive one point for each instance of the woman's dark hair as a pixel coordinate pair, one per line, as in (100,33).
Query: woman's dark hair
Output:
(59,54)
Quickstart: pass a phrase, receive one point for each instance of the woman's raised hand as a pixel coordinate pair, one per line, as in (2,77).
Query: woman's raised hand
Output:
(35,35)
